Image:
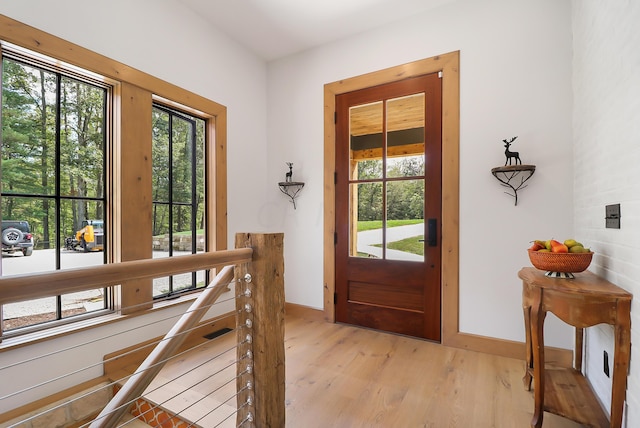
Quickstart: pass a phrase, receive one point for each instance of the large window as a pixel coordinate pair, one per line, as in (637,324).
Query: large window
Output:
(178,194)
(54,150)
(97,166)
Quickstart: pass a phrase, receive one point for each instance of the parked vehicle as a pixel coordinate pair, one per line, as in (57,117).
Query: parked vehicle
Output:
(17,236)
(89,238)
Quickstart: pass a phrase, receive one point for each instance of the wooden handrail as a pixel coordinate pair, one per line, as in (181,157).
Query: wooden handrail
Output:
(32,286)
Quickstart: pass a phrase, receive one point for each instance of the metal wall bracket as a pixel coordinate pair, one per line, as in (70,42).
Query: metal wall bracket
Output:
(291,189)
(513,177)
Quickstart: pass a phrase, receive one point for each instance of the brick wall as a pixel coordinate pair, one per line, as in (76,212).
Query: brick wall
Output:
(606,135)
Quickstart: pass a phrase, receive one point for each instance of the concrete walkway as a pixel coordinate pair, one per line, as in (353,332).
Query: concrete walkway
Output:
(368,238)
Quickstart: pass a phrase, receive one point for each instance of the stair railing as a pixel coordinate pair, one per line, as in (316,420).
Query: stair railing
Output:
(259,265)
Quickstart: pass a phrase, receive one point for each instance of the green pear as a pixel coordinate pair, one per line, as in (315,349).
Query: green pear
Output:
(571,243)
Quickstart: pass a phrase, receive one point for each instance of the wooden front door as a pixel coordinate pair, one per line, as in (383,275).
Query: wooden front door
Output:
(388,207)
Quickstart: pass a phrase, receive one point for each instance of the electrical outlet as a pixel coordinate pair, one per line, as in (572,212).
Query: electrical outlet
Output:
(612,216)
(606,363)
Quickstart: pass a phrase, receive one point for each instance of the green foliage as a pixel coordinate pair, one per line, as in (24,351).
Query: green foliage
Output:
(404,195)
(47,116)
(177,142)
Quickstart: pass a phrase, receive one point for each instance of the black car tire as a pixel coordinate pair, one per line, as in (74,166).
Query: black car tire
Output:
(27,251)
(11,236)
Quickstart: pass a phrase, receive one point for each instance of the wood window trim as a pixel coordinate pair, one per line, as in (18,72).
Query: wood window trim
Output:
(131,169)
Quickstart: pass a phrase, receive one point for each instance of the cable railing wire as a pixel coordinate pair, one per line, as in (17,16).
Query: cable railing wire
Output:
(218,407)
(140,381)
(217,388)
(89,342)
(183,374)
(100,363)
(112,384)
(237,361)
(186,388)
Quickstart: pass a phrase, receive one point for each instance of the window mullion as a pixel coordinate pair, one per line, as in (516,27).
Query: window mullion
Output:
(58,162)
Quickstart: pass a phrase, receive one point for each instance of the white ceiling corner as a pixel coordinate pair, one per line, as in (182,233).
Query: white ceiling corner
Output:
(274,29)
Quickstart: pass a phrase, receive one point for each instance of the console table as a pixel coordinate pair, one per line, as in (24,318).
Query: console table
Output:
(582,302)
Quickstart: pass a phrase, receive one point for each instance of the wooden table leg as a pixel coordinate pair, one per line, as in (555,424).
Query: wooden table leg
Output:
(577,356)
(622,353)
(526,380)
(537,342)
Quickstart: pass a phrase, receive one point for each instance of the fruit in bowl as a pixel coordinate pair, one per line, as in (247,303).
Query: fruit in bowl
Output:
(560,259)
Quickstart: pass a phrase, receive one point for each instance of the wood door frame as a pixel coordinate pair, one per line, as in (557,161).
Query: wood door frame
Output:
(449,65)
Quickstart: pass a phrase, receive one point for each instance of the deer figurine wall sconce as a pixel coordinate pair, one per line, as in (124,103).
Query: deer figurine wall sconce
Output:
(509,154)
(515,175)
(288,176)
(289,187)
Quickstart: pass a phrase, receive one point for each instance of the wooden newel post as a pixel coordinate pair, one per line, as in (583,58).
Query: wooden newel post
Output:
(267,329)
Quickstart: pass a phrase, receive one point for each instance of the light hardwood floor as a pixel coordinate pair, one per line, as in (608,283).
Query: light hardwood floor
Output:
(343,376)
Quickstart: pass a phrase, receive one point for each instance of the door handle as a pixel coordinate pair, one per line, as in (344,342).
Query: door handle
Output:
(432,232)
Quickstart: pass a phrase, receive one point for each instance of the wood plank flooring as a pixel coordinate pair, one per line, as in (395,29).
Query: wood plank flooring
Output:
(343,376)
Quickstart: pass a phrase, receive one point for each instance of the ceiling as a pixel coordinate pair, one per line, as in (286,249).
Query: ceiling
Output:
(274,29)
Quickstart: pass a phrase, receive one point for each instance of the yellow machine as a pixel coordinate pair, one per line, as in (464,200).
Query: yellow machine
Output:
(89,238)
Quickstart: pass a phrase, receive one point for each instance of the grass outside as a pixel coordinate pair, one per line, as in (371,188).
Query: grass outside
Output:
(412,245)
(186,232)
(377,224)
(409,245)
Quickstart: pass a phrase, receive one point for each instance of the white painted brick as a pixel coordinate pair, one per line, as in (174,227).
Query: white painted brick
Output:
(606,133)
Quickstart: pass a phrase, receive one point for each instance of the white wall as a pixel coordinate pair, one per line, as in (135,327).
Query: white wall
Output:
(167,40)
(515,80)
(162,38)
(606,127)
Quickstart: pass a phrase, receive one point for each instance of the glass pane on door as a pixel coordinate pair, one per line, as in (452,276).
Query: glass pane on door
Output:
(387,175)
(405,220)
(366,141)
(366,173)
(404,208)
(366,211)
(405,136)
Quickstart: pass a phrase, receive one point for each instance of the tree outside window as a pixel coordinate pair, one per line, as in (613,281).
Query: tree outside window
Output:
(178,194)
(54,149)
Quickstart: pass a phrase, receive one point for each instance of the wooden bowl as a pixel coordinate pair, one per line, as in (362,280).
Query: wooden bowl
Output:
(560,262)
